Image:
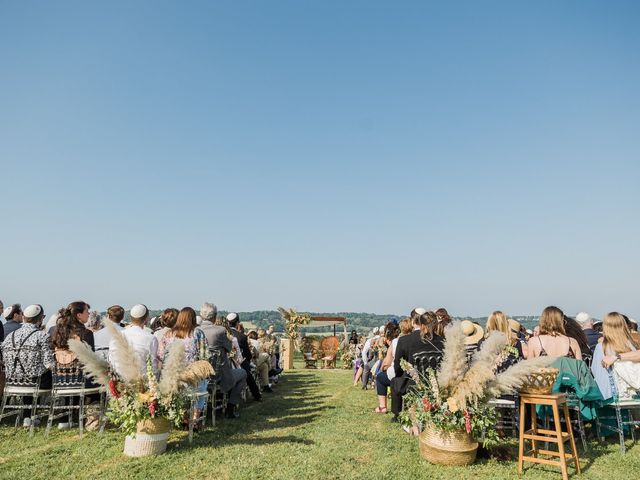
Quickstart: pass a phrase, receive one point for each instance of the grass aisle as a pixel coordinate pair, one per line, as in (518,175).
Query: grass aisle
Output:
(315,426)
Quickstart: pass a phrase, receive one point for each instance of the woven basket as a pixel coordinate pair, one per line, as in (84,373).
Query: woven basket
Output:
(540,382)
(447,448)
(151,438)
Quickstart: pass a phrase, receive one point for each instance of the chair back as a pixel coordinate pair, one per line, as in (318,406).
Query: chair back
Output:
(68,375)
(422,361)
(216,359)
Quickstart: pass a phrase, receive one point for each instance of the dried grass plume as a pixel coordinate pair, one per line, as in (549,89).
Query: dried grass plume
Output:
(93,365)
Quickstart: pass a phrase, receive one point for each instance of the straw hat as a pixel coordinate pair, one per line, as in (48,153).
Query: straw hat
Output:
(472,332)
(514,325)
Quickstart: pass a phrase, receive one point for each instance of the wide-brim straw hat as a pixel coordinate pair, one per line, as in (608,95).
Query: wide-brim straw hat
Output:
(514,325)
(473,332)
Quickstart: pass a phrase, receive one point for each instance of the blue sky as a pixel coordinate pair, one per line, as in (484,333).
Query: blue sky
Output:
(333,156)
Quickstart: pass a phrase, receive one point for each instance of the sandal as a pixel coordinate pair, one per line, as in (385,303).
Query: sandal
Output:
(380,410)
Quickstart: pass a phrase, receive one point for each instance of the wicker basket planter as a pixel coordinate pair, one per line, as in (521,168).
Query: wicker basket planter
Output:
(151,438)
(447,448)
(540,382)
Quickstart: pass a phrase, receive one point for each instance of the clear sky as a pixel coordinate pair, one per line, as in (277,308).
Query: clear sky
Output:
(327,155)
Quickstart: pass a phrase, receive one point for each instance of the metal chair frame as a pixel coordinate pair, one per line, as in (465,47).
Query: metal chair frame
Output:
(15,389)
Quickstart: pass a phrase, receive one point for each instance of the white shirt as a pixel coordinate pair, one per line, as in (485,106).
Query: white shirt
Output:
(102,338)
(143,343)
(391,372)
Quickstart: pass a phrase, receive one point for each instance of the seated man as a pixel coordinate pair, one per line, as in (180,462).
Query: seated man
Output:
(261,360)
(27,352)
(232,380)
(142,341)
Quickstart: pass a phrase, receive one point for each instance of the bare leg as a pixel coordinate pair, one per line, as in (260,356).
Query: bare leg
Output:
(358,375)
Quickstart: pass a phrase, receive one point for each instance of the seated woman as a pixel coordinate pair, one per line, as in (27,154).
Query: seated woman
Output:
(71,324)
(552,340)
(195,347)
(512,353)
(616,358)
(383,379)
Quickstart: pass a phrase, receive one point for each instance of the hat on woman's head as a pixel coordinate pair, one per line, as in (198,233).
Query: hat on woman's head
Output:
(472,332)
(32,311)
(139,311)
(514,325)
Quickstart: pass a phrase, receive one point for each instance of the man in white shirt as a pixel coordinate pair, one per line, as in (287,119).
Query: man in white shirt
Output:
(142,341)
(102,338)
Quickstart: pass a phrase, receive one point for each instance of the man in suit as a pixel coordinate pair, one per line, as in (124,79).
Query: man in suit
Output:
(243,342)
(232,380)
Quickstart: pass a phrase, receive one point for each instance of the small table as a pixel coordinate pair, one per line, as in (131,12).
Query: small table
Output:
(557,436)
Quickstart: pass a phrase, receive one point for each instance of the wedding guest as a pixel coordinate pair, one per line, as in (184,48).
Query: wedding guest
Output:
(586,322)
(473,336)
(27,353)
(574,330)
(618,350)
(444,320)
(167,321)
(234,322)
(383,379)
(195,347)
(71,324)
(13,315)
(143,342)
(512,353)
(422,341)
(102,338)
(261,359)
(552,340)
(232,380)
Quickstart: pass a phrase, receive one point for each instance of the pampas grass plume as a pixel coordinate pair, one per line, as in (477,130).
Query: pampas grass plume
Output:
(172,369)
(454,360)
(93,365)
(125,359)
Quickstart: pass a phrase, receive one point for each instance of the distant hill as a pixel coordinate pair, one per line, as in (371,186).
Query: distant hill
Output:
(361,321)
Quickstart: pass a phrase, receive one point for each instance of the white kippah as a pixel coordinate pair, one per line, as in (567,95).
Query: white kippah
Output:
(6,311)
(232,316)
(32,311)
(138,311)
(420,310)
(633,321)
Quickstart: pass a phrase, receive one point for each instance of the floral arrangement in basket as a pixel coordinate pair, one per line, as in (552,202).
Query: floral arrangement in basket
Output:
(292,321)
(456,397)
(348,354)
(138,394)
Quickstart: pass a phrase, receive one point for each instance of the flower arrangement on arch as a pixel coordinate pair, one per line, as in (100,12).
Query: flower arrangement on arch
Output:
(292,321)
(456,396)
(137,393)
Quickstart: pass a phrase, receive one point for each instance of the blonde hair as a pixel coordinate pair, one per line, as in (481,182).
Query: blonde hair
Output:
(616,334)
(405,326)
(498,322)
(261,333)
(552,322)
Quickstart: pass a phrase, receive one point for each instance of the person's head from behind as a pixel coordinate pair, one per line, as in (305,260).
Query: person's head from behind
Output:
(498,322)
(428,324)
(234,320)
(71,323)
(405,326)
(139,315)
(584,320)
(95,321)
(632,324)
(415,316)
(270,329)
(390,331)
(115,313)
(261,333)
(617,337)
(552,322)
(34,314)
(208,312)
(169,317)
(13,312)
(253,335)
(185,323)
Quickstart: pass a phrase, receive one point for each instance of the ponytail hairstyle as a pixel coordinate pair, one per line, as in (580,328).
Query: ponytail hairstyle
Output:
(68,325)
(444,320)
(428,325)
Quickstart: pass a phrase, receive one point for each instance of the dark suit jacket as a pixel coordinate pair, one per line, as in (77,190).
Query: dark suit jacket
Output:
(409,345)
(244,347)
(218,340)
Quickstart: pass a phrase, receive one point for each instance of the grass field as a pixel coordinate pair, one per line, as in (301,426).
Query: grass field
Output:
(316,426)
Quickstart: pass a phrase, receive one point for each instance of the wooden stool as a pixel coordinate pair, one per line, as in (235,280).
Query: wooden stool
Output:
(556,436)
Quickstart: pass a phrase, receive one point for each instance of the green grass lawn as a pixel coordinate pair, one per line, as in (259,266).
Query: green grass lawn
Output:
(316,426)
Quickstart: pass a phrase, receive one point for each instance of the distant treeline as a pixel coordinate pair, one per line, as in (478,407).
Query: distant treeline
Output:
(360,321)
